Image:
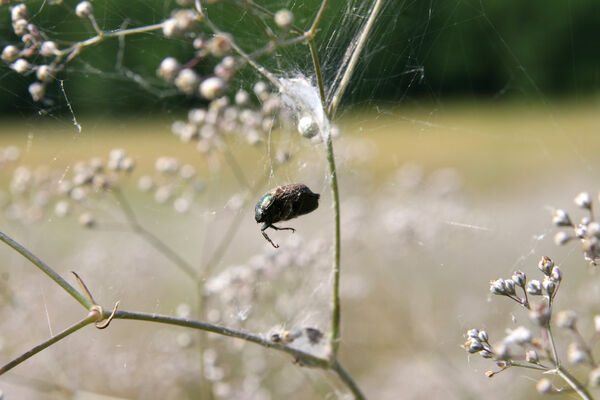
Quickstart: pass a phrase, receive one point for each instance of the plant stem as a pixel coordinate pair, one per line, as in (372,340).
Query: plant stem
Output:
(362,40)
(73,328)
(301,357)
(149,237)
(574,383)
(81,299)
(347,379)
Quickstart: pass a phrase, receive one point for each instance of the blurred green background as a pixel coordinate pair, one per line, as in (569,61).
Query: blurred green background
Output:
(500,49)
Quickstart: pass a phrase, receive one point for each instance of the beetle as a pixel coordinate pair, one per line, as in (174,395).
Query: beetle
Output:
(283,203)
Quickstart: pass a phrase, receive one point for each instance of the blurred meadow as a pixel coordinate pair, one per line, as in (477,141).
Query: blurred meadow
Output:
(446,183)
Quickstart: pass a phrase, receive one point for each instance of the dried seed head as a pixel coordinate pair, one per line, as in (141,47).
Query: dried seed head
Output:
(561,218)
(10,53)
(519,278)
(187,81)
(473,345)
(37,90)
(483,336)
(549,286)
(18,12)
(474,333)
(562,238)
(509,286)
(84,9)
(284,18)
(583,200)
(545,265)
(532,356)
(566,319)
(540,314)
(534,287)
(575,354)
(48,49)
(498,287)
(168,69)
(556,274)
(544,386)
(21,66)
(212,87)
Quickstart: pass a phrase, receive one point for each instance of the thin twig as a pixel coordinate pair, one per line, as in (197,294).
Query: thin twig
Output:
(347,379)
(28,354)
(81,299)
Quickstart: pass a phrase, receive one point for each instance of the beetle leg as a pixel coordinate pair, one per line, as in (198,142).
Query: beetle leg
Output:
(269,239)
(283,229)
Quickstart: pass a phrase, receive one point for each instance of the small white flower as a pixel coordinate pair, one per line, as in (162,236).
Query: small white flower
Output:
(84,9)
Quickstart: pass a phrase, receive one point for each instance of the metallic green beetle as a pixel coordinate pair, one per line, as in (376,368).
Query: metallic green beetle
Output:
(283,203)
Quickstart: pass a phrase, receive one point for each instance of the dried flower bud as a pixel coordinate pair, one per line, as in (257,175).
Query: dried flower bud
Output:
(483,336)
(168,69)
(10,53)
(566,319)
(561,218)
(37,90)
(540,314)
(486,353)
(87,220)
(48,49)
(212,87)
(498,287)
(532,356)
(473,345)
(20,27)
(549,286)
(84,9)
(575,354)
(219,45)
(21,66)
(545,265)
(169,27)
(562,238)
(544,386)
(187,80)
(18,12)
(519,278)
(44,73)
(556,274)
(583,200)
(284,18)
(509,286)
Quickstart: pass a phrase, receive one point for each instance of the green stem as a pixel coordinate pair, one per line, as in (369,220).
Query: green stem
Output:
(362,40)
(301,357)
(347,379)
(317,67)
(574,383)
(149,237)
(317,21)
(93,316)
(81,299)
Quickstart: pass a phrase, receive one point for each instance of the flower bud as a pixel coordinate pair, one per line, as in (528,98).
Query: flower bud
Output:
(561,238)
(583,200)
(498,287)
(575,354)
(532,356)
(561,218)
(544,386)
(284,18)
(10,53)
(534,287)
(44,73)
(37,90)
(474,333)
(212,87)
(21,66)
(187,80)
(566,319)
(545,265)
(556,274)
(219,45)
(549,286)
(540,314)
(519,278)
(18,12)
(48,49)
(84,9)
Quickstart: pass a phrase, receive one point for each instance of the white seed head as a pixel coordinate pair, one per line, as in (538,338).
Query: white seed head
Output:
(187,80)
(37,90)
(185,20)
(84,9)
(575,354)
(20,27)
(284,18)
(48,49)
(566,319)
(545,265)
(10,53)
(307,126)
(562,238)
(169,27)
(583,200)
(544,386)
(241,98)
(145,183)
(561,218)
(212,87)
(219,45)
(87,220)
(18,12)
(44,73)
(21,66)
